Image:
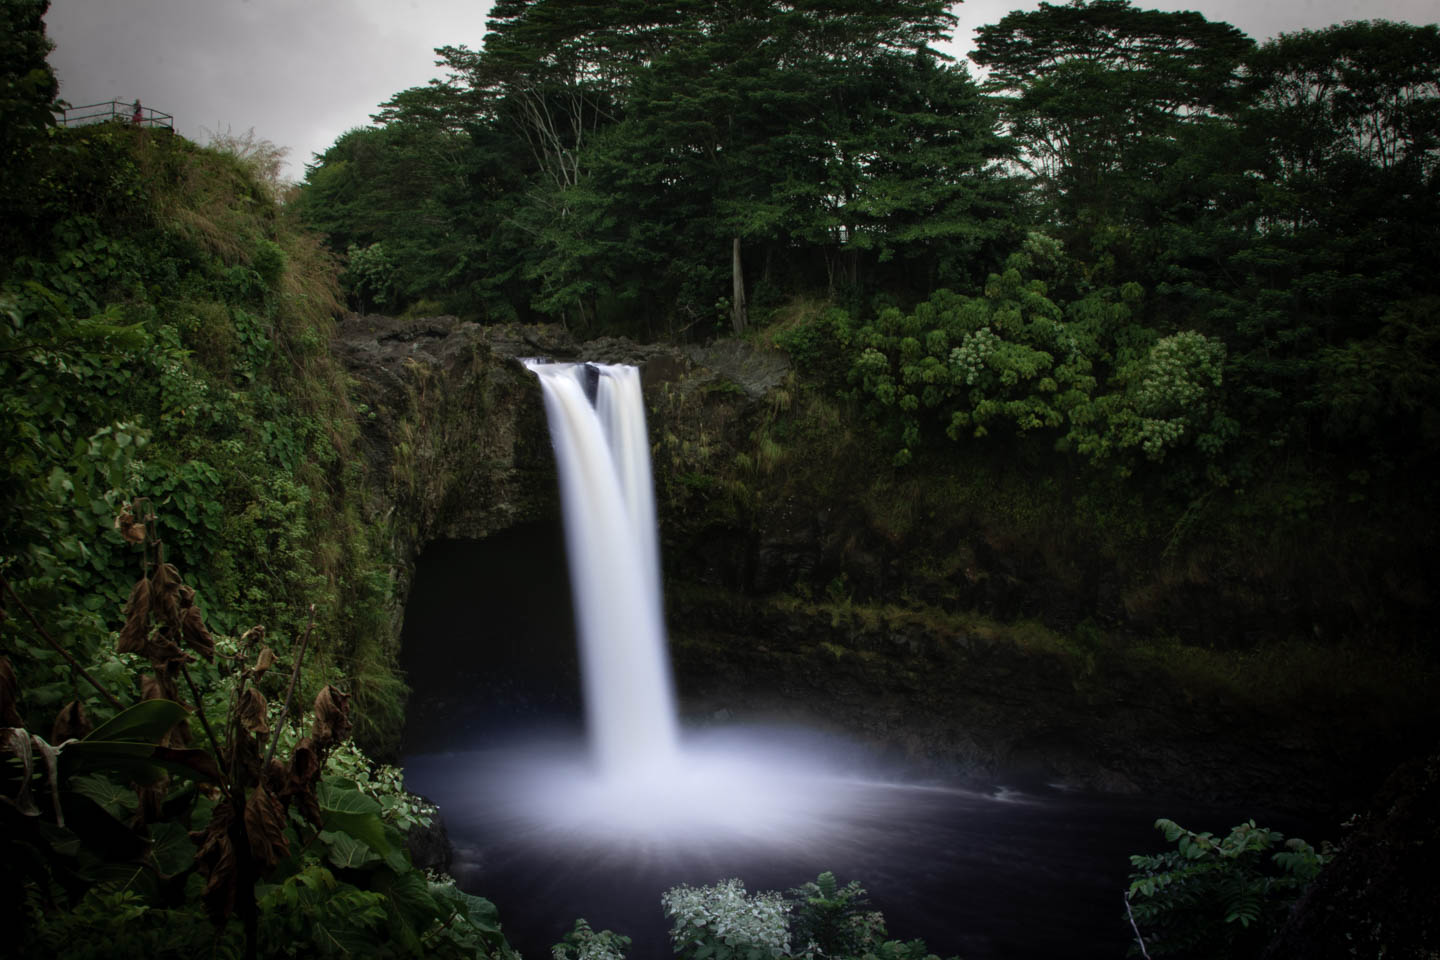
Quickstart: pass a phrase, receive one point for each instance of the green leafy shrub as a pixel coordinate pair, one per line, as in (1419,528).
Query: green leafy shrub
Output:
(583,943)
(1218,897)
(828,920)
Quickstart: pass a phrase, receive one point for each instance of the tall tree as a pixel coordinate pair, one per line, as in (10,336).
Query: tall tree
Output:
(28,92)
(1096,92)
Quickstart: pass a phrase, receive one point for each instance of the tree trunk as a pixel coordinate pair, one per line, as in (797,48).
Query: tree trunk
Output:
(739,313)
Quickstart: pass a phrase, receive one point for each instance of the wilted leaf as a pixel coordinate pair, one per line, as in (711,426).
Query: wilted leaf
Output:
(305,803)
(216,859)
(137,619)
(150,797)
(265,826)
(245,757)
(162,687)
(130,528)
(304,764)
(264,662)
(9,695)
(196,764)
(16,742)
(71,724)
(197,638)
(252,711)
(165,595)
(163,651)
(332,717)
(253,635)
(51,756)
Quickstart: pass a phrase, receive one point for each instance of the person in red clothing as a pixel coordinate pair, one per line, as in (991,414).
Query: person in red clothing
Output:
(136,114)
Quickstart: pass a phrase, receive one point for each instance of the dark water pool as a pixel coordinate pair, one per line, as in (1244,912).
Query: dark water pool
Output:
(1009,871)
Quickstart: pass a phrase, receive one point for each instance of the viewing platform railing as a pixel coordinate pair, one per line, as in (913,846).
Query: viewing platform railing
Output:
(115,111)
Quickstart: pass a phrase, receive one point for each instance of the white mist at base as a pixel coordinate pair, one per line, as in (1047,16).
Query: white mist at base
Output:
(727,791)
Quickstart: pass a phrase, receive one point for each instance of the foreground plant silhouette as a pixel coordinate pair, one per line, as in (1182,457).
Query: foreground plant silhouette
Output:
(100,821)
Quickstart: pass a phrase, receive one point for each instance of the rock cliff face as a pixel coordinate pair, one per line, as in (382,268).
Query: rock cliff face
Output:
(1380,897)
(791,592)
(452,430)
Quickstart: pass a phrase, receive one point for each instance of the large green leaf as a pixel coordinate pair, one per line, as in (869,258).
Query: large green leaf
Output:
(172,848)
(118,801)
(146,722)
(129,759)
(332,796)
(354,813)
(346,851)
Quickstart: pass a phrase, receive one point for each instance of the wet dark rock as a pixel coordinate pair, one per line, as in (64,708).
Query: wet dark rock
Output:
(970,704)
(1380,896)
(429,846)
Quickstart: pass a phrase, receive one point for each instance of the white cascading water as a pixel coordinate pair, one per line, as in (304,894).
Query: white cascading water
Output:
(602,454)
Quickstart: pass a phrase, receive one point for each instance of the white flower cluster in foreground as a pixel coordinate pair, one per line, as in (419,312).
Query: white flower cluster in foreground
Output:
(725,912)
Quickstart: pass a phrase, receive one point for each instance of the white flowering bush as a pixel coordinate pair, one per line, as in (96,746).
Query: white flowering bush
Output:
(1012,358)
(1171,392)
(722,922)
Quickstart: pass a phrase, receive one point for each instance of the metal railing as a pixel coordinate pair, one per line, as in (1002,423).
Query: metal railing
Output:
(116,111)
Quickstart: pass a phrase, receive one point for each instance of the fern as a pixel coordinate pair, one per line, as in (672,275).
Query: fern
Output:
(1220,897)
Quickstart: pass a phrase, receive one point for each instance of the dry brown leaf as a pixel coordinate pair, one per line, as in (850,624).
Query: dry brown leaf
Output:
(158,687)
(216,861)
(265,826)
(137,619)
(151,798)
(253,635)
(163,650)
(9,695)
(129,526)
(332,717)
(71,724)
(252,711)
(197,638)
(264,662)
(304,763)
(198,760)
(165,595)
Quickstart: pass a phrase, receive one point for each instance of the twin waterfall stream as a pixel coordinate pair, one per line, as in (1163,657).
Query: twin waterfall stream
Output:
(602,453)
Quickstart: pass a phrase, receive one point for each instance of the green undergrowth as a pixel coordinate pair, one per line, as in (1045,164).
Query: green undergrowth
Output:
(164,336)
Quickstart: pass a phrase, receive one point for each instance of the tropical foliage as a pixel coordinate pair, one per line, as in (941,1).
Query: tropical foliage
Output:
(1218,896)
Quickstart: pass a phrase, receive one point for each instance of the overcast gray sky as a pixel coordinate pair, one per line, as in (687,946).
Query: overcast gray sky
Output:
(301,72)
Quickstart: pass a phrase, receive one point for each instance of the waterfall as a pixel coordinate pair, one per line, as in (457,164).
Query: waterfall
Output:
(602,455)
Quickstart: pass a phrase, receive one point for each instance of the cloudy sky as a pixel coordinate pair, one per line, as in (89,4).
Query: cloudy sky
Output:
(301,72)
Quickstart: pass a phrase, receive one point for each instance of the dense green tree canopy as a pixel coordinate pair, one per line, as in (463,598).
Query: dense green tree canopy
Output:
(1231,245)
